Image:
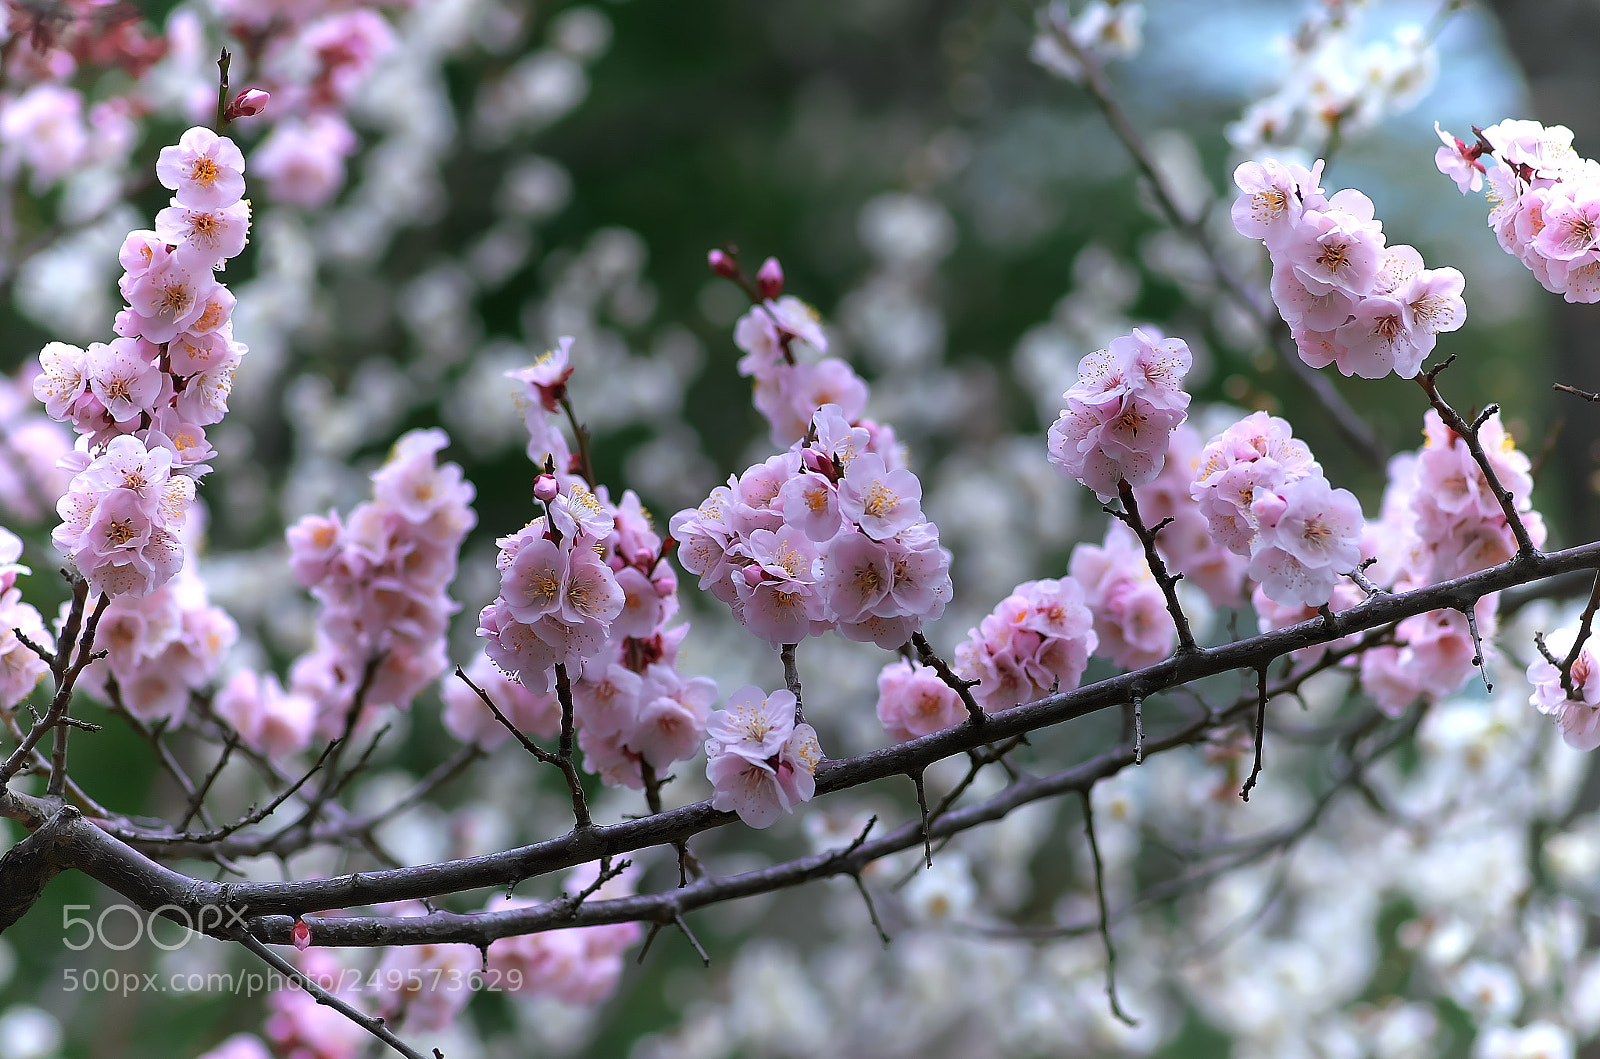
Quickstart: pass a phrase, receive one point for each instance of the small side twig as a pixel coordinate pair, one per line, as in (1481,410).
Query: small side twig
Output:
(963,688)
(922,806)
(1585,624)
(1468,433)
(1105,918)
(1261,731)
(370,1023)
(1168,581)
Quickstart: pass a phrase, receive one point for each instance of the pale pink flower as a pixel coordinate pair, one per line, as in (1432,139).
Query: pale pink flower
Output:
(206,170)
(1131,621)
(44,128)
(1578,717)
(208,236)
(672,717)
(123,376)
(1275,196)
(761,791)
(546,378)
(268,720)
(170,297)
(1121,411)
(1458,161)
(239,1046)
(302,159)
(913,702)
(882,502)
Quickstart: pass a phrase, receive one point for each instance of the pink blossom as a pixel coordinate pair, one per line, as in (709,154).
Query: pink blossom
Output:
(268,720)
(762,790)
(1578,716)
(546,378)
(1313,542)
(123,376)
(1131,620)
(170,297)
(302,160)
(882,502)
(44,127)
(1037,639)
(1458,161)
(913,702)
(1274,198)
(206,170)
(239,1046)
(209,236)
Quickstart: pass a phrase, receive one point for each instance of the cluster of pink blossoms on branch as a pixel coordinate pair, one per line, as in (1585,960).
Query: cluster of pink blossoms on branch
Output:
(1544,201)
(142,402)
(586,586)
(381,576)
(828,535)
(759,759)
(1127,401)
(1265,497)
(1348,299)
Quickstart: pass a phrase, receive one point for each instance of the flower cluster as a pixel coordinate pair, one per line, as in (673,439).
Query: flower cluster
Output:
(914,702)
(1036,641)
(1440,521)
(1120,413)
(381,576)
(1265,497)
(829,534)
(1544,202)
(789,388)
(1186,542)
(159,647)
(760,761)
(1131,619)
(579,965)
(31,445)
(588,586)
(1349,300)
(269,720)
(20,668)
(143,401)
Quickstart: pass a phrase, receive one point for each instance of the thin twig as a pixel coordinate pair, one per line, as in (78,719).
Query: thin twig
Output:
(1261,731)
(199,796)
(922,806)
(872,911)
(1468,433)
(1100,900)
(370,1023)
(580,807)
(1167,580)
(962,687)
(677,917)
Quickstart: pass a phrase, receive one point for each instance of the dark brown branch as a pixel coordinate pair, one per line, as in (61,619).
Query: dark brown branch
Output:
(580,808)
(1585,394)
(791,680)
(199,796)
(150,885)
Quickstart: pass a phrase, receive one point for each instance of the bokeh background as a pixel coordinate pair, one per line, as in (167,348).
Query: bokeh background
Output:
(964,221)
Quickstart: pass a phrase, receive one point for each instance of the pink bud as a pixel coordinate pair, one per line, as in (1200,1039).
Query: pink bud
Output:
(752,575)
(769,281)
(722,264)
(644,559)
(246,104)
(617,563)
(817,462)
(545,488)
(301,935)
